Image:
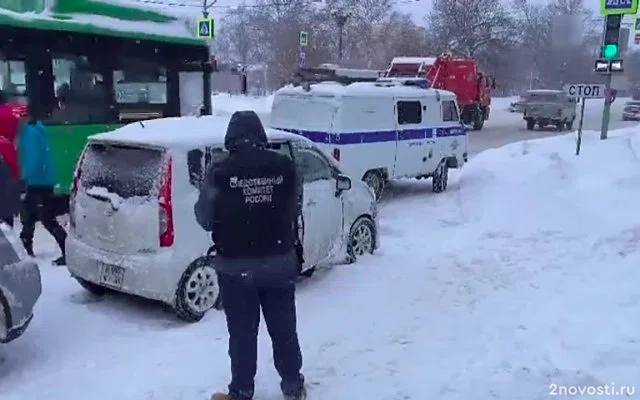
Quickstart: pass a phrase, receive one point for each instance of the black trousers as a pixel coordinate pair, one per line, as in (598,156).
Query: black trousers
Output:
(39,204)
(242,304)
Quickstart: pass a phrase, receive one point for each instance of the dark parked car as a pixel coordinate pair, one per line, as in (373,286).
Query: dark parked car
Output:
(631,111)
(20,286)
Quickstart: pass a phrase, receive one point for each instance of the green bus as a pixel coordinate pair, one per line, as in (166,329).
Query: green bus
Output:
(84,73)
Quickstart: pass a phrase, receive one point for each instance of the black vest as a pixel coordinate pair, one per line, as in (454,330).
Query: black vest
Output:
(255,210)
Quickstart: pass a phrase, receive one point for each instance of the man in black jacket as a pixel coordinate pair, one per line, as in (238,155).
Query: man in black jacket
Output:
(250,202)
(9,194)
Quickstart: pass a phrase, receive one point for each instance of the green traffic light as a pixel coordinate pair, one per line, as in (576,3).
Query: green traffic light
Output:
(611,51)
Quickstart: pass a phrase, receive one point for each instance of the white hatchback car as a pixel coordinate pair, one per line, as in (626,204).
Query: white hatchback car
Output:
(133,227)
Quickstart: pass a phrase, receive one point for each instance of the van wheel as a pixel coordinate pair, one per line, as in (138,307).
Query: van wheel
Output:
(362,239)
(91,287)
(198,291)
(531,124)
(376,181)
(440,177)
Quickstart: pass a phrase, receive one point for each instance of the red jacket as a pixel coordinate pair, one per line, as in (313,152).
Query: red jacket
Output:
(9,123)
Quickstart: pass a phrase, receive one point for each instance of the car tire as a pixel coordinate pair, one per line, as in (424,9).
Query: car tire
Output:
(560,126)
(440,179)
(308,273)
(198,282)
(91,287)
(531,124)
(478,122)
(570,124)
(376,181)
(362,238)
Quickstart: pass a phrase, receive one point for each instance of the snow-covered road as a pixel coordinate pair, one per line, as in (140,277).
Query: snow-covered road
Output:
(504,127)
(523,275)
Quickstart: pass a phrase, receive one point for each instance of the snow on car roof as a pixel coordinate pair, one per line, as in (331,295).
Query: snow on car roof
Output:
(183,132)
(359,89)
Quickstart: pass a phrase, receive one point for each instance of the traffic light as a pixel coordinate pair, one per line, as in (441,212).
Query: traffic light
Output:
(611,45)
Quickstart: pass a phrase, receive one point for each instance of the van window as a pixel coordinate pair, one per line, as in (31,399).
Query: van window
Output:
(409,112)
(312,165)
(124,170)
(449,111)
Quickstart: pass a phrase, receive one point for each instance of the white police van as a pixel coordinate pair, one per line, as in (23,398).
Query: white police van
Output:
(391,128)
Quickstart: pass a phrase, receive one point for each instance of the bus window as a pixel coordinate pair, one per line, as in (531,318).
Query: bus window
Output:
(140,82)
(13,80)
(79,92)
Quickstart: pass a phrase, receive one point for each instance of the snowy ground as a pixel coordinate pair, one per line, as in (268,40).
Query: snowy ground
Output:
(522,275)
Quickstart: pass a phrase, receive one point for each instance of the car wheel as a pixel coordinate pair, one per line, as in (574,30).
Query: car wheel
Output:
(4,328)
(560,126)
(308,273)
(440,178)
(376,181)
(198,291)
(362,238)
(91,287)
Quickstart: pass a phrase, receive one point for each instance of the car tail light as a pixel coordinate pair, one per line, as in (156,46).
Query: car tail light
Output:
(75,185)
(336,154)
(167,234)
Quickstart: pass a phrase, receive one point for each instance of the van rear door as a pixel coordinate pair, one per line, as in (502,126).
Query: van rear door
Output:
(411,147)
(116,204)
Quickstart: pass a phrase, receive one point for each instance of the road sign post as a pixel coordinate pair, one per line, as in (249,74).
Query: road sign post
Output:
(303,39)
(611,7)
(584,91)
(606,112)
(580,124)
(206,28)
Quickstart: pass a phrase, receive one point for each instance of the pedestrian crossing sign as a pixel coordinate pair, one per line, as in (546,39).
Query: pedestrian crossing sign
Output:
(206,28)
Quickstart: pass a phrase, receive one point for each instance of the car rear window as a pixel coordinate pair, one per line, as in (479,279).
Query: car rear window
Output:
(547,98)
(124,170)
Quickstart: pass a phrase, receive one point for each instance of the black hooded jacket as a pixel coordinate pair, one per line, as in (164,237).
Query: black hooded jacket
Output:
(250,200)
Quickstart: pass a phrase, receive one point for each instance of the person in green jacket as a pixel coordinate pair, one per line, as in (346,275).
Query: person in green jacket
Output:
(36,164)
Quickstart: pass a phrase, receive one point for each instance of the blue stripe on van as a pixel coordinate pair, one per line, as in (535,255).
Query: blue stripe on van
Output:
(377,136)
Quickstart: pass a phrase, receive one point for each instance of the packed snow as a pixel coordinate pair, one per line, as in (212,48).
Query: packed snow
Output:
(523,275)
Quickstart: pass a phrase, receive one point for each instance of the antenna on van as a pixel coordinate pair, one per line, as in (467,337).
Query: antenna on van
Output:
(142,124)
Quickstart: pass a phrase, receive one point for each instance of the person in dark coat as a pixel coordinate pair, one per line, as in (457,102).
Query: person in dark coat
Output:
(36,164)
(9,194)
(250,201)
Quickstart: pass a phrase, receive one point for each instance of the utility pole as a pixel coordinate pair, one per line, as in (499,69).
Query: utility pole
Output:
(341,19)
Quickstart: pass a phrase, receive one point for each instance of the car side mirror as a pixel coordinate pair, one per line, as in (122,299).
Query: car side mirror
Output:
(343,183)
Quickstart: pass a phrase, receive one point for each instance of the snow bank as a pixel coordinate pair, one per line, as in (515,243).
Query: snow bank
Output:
(542,184)
(227,104)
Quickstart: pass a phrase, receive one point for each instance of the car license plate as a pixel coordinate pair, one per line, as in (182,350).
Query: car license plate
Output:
(112,275)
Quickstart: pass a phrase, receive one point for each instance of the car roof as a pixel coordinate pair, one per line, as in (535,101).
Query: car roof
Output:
(362,89)
(182,132)
(544,91)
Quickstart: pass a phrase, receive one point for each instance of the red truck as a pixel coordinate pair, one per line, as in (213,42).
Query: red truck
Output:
(461,76)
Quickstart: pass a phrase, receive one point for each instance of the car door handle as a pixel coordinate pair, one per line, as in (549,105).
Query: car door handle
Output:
(311,203)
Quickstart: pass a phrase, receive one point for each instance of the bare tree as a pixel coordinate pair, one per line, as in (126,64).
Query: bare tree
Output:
(466,27)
